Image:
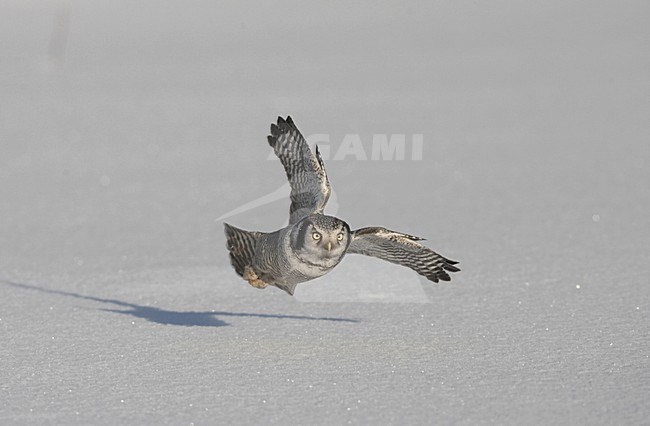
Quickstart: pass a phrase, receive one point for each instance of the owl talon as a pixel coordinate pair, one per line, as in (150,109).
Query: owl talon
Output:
(253,279)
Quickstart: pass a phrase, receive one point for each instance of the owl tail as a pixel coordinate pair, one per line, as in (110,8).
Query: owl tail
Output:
(241,245)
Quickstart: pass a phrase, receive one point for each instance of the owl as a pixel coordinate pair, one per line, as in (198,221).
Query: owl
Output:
(313,243)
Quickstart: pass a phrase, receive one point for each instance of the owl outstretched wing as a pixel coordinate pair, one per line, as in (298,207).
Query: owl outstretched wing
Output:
(310,188)
(402,249)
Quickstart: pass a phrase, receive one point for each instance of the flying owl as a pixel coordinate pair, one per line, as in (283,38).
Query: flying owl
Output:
(314,243)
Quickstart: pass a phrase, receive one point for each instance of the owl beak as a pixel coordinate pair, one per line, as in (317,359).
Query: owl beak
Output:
(329,246)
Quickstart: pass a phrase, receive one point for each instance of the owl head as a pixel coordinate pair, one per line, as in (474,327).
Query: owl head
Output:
(321,237)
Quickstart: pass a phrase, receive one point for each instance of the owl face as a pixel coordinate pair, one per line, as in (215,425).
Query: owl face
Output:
(322,237)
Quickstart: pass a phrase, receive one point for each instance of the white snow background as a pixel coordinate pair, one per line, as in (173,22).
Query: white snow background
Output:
(127,128)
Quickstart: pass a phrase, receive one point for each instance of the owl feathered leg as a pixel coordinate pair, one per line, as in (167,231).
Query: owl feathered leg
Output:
(253,279)
(241,245)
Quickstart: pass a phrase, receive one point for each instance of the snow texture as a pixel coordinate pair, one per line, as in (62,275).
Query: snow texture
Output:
(127,128)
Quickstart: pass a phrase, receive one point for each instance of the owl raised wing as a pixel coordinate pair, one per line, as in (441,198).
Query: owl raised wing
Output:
(310,188)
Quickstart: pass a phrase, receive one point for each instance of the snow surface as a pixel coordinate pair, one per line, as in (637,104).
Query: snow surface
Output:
(127,128)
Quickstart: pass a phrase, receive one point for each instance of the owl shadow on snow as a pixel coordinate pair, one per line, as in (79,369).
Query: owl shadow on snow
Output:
(169,317)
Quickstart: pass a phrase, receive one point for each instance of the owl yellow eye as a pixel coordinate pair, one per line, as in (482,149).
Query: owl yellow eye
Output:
(339,237)
(315,236)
